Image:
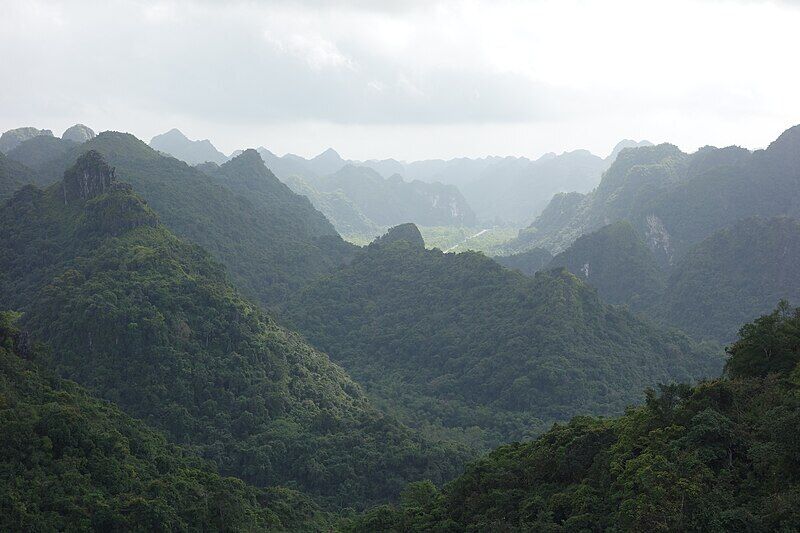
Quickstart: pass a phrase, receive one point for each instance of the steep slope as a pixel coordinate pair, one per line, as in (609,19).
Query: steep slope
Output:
(181,147)
(148,321)
(36,153)
(13,176)
(461,346)
(721,456)
(391,201)
(71,462)
(12,138)
(78,133)
(615,261)
(676,200)
(738,272)
(529,262)
(271,241)
(337,207)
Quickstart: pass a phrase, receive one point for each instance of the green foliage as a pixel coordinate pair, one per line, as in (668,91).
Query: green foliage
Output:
(528,263)
(150,322)
(271,240)
(734,275)
(674,199)
(616,262)
(768,345)
(720,456)
(69,462)
(461,347)
(13,176)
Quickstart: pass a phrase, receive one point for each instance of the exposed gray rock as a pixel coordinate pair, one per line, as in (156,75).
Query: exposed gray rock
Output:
(78,133)
(12,138)
(87,178)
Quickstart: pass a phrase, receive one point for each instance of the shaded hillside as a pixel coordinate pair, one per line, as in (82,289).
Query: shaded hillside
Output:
(271,240)
(738,272)
(150,322)
(676,200)
(461,346)
(71,462)
(12,138)
(179,146)
(720,456)
(529,262)
(36,153)
(616,261)
(13,175)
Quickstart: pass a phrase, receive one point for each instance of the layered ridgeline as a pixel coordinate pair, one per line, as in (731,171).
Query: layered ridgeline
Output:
(178,145)
(675,199)
(735,274)
(271,240)
(70,462)
(509,189)
(383,202)
(720,456)
(147,321)
(732,276)
(460,346)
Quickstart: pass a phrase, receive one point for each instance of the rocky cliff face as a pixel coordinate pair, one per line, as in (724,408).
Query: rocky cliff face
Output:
(12,138)
(88,177)
(78,133)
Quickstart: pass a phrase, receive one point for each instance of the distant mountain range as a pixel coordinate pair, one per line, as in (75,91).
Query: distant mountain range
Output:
(497,190)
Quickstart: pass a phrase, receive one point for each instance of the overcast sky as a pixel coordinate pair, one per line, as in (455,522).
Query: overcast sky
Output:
(411,80)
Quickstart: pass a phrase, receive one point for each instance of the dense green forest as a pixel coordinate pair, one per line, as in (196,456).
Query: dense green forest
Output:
(464,348)
(70,462)
(675,200)
(13,175)
(615,261)
(737,273)
(733,275)
(720,456)
(150,322)
(271,240)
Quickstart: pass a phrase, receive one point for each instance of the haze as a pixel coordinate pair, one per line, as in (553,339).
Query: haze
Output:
(420,80)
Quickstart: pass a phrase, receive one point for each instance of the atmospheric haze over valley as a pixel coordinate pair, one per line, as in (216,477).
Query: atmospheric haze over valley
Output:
(293,265)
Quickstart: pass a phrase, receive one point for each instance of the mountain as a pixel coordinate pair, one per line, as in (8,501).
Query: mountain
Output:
(37,152)
(150,322)
(78,133)
(675,199)
(181,147)
(326,163)
(72,462)
(461,347)
(345,216)
(720,456)
(11,138)
(271,240)
(736,273)
(13,175)
(616,261)
(625,143)
(529,262)
(390,201)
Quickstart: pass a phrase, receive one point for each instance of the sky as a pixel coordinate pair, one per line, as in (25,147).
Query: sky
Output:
(409,80)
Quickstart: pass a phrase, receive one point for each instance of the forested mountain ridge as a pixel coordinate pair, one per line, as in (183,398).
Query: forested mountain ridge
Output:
(675,199)
(460,346)
(13,175)
(271,240)
(150,322)
(616,261)
(390,201)
(736,273)
(71,462)
(719,456)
